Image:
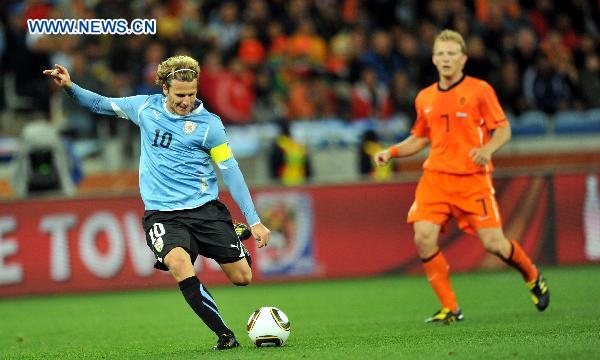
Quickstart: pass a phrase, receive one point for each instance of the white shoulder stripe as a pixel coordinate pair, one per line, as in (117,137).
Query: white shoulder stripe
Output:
(120,113)
(145,105)
(206,134)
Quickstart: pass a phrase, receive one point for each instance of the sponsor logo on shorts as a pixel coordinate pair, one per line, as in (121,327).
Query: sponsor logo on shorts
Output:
(158,244)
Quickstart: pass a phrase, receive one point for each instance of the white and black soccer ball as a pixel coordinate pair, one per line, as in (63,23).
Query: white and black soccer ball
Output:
(268,326)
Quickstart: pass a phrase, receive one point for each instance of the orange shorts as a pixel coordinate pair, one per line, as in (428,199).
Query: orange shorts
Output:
(468,198)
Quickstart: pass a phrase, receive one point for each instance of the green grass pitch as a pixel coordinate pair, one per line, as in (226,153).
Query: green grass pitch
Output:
(373,318)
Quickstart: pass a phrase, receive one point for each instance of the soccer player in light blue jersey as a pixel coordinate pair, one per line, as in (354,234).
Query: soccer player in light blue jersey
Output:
(183,217)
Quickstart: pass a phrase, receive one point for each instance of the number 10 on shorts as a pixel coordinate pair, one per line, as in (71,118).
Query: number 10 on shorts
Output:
(156,233)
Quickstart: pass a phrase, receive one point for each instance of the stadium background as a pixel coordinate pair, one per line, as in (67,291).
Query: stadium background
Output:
(309,64)
(333,71)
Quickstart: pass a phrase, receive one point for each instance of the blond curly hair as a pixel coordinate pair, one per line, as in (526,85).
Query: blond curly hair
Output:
(179,67)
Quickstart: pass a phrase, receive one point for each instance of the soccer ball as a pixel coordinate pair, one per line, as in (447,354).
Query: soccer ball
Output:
(268,326)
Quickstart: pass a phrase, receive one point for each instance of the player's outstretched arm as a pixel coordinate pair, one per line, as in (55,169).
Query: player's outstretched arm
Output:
(126,107)
(60,75)
(409,146)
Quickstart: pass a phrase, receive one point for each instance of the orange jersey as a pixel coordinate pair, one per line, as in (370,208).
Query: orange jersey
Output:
(457,120)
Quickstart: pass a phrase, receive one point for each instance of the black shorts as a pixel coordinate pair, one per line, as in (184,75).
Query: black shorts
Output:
(206,230)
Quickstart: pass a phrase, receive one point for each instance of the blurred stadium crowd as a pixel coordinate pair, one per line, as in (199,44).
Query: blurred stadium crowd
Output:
(333,72)
(265,60)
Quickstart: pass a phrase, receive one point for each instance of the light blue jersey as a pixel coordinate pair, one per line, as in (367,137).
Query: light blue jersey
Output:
(175,168)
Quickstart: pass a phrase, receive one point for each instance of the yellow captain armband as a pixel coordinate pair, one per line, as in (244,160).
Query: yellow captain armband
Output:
(221,153)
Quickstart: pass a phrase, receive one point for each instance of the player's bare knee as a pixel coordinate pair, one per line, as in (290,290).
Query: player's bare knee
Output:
(242,278)
(494,244)
(176,263)
(425,242)
(421,238)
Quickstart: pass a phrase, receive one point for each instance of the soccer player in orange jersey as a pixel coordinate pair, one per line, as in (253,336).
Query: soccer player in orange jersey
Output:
(461,118)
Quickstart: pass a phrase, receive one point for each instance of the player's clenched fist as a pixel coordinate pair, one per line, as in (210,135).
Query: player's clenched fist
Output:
(382,157)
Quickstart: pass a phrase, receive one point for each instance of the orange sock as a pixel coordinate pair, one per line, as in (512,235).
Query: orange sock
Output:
(438,273)
(520,261)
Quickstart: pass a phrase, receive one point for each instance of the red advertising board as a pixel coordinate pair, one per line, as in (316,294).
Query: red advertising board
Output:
(96,244)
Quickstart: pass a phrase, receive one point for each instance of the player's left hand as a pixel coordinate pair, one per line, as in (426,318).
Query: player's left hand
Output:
(60,75)
(480,156)
(261,233)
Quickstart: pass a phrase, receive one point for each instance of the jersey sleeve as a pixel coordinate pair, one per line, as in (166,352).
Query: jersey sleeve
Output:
(217,145)
(420,127)
(490,108)
(217,142)
(125,107)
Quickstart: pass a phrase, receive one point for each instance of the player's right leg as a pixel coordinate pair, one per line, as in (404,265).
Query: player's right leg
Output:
(437,270)
(179,263)
(172,245)
(428,213)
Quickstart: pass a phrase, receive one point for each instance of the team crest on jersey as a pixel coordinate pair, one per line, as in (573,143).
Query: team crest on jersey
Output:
(462,100)
(189,127)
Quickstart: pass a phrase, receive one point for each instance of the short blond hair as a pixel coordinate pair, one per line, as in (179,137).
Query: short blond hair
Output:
(454,36)
(179,67)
